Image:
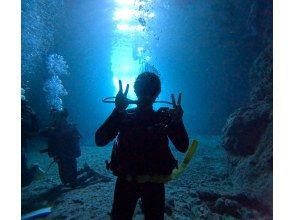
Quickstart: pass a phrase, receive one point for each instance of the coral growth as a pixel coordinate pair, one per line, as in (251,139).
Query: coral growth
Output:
(248,137)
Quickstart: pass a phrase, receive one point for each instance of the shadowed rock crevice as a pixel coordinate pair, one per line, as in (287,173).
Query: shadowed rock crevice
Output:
(248,138)
(248,133)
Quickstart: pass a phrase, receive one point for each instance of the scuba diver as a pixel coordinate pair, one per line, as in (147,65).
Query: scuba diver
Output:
(141,147)
(63,145)
(29,128)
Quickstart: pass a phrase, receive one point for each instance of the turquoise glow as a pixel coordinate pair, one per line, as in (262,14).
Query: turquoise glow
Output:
(130,51)
(125,68)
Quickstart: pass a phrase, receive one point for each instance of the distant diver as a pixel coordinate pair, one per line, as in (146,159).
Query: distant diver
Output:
(63,145)
(29,129)
(141,147)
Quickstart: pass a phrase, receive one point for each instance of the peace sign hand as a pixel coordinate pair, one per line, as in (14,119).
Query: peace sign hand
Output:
(177,111)
(121,101)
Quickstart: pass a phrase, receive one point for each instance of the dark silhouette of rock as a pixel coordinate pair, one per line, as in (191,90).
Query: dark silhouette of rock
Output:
(253,174)
(171,202)
(247,138)
(168,210)
(261,76)
(248,133)
(208,195)
(227,206)
(243,130)
(260,20)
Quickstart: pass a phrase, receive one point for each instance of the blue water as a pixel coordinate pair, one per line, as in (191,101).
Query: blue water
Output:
(75,51)
(197,47)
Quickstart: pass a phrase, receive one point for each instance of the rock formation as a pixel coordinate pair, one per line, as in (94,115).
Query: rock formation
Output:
(248,132)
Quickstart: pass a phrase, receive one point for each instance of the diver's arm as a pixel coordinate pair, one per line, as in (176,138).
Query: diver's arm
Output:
(176,129)
(109,129)
(178,135)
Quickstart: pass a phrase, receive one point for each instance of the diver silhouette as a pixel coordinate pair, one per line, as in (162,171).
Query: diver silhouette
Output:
(141,147)
(63,145)
(29,129)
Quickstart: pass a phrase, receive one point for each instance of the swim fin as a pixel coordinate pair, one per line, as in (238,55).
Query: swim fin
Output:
(37,214)
(38,173)
(191,151)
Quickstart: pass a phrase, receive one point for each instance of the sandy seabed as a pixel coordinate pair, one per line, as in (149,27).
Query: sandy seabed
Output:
(204,191)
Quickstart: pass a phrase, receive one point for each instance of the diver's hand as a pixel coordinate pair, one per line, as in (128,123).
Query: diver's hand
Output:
(177,111)
(121,101)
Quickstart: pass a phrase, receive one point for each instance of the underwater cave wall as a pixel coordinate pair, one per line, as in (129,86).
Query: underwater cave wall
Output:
(248,132)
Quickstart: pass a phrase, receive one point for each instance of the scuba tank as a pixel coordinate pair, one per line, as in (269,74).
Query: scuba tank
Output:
(113,165)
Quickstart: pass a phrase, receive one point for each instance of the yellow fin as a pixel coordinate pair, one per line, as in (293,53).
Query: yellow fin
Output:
(191,151)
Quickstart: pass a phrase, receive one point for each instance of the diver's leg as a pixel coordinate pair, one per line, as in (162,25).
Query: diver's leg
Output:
(68,171)
(26,175)
(153,200)
(73,172)
(125,200)
(62,171)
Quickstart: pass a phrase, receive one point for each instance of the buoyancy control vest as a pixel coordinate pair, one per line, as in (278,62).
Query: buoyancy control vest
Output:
(64,143)
(141,147)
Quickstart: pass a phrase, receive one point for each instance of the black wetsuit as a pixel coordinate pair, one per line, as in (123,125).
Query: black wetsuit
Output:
(142,137)
(29,127)
(63,145)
